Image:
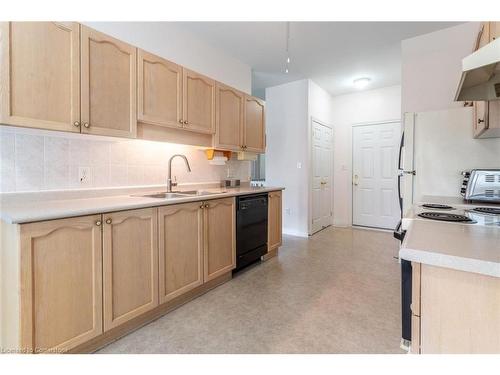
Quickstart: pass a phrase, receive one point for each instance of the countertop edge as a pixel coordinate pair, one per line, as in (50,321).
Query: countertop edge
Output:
(450,261)
(12,219)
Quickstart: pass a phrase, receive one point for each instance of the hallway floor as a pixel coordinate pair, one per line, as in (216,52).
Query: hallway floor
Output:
(336,292)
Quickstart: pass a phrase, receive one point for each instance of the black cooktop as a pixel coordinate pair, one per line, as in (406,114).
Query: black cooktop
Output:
(441,216)
(437,206)
(487,210)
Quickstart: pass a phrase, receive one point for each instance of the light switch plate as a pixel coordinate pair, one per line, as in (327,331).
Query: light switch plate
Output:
(84,175)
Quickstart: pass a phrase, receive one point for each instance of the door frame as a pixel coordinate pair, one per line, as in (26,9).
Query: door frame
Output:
(353,126)
(310,173)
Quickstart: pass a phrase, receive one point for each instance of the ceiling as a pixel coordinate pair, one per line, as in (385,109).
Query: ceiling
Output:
(332,54)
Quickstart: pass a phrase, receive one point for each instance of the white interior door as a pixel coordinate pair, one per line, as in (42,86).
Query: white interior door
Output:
(375,162)
(321,147)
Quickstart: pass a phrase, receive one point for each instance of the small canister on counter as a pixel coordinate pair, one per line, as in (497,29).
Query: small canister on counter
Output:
(230,183)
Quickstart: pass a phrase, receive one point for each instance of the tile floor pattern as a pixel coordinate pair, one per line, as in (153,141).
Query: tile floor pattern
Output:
(337,292)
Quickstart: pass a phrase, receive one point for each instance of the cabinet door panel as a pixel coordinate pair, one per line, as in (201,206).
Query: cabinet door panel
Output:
(108,76)
(130,261)
(494,30)
(159,85)
(61,278)
(199,102)
(220,238)
(274,221)
(229,121)
(481,118)
(181,249)
(40,75)
(254,129)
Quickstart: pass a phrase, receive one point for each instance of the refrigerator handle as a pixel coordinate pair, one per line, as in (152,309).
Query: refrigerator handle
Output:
(400,198)
(401,144)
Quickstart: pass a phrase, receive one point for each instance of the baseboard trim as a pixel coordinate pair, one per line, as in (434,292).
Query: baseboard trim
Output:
(270,254)
(295,233)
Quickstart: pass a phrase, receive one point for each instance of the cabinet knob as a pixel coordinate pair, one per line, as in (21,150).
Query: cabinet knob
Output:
(207,205)
(86,124)
(77,124)
(98,223)
(181,121)
(185,122)
(480,120)
(109,221)
(202,206)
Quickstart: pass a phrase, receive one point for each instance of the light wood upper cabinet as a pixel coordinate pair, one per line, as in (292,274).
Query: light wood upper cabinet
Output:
(494,30)
(254,132)
(61,283)
(40,75)
(229,118)
(481,111)
(486,115)
(108,79)
(159,89)
(130,263)
(181,249)
(198,103)
(274,230)
(220,237)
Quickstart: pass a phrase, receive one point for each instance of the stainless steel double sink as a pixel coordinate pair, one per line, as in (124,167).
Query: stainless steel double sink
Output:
(175,194)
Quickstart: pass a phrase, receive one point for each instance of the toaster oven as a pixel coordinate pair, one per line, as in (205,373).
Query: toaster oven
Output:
(481,185)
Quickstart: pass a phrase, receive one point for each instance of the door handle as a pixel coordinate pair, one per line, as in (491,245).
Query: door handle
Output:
(402,172)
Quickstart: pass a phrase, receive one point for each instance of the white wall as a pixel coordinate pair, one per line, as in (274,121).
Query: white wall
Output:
(366,106)
(289,108)
(168,40)
(432,65)
(287,135)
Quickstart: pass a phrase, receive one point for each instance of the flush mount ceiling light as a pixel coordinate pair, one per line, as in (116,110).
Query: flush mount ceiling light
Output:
(361,83)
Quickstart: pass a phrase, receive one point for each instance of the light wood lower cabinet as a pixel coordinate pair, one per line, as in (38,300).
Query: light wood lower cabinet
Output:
(61,283)
(219,237)
(197,244)
(274,230)
(181,249)
(130,265)
(82,280)
(40,75)
(459,312)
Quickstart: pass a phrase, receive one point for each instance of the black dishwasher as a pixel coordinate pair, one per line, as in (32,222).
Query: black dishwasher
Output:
(251,229)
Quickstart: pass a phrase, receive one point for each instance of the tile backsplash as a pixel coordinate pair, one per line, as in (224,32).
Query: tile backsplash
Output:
(35,160)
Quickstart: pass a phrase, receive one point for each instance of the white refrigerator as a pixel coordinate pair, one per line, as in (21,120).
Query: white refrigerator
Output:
(438,147)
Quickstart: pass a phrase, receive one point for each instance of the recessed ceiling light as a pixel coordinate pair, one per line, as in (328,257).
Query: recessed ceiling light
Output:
(361,83)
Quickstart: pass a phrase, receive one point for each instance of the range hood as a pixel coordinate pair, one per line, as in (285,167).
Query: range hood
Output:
(481,74)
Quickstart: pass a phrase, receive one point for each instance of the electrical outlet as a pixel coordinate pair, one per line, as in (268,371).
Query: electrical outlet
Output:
(84,175)
(299,165)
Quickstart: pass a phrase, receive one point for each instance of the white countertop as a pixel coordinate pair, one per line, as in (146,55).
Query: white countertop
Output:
(38,207)
(464,247)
